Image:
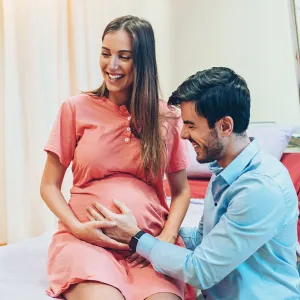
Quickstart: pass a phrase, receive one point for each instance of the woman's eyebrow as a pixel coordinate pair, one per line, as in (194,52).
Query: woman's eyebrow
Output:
(105,48)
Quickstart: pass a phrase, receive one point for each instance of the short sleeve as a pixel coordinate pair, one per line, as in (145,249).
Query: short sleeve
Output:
(62,140)
(177,158)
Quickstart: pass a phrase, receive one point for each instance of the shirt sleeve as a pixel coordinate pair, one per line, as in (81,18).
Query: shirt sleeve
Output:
(177,147)
(192,236)
(254,216)
(62,139)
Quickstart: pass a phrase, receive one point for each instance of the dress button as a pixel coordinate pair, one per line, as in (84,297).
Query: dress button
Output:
(129,118)
(126,140)
(128,129)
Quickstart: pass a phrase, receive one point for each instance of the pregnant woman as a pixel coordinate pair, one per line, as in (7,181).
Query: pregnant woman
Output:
(121,139)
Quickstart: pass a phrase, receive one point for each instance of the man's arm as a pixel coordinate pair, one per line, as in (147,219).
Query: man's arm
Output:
(192,236)
(253,217)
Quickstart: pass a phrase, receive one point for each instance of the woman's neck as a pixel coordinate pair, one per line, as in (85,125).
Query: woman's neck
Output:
(119,98)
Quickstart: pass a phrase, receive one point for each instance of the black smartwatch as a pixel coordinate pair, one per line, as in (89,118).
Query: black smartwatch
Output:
(134,241)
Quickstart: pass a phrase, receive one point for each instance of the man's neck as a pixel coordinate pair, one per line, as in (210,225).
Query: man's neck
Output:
(235,146)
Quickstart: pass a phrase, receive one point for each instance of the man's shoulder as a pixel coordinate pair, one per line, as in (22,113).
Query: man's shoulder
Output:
(265,173)
(264,165)
(269,169)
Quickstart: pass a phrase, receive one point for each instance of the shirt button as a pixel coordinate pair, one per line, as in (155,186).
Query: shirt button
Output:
(126,140)
(129,118)
(128,129)
(216,204)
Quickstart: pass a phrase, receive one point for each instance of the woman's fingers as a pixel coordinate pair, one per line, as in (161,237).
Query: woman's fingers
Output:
(94,214)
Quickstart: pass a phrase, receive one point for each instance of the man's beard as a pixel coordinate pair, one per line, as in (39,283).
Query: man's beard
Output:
(212,151)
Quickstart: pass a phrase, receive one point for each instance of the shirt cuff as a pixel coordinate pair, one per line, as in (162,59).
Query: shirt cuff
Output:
(145,245)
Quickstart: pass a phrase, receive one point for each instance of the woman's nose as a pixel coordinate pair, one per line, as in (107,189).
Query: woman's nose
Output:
(113,63)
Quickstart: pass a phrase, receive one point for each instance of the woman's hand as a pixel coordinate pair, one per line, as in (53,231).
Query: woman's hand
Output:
(91,232)
(126,228)
(136,259)
(125,223)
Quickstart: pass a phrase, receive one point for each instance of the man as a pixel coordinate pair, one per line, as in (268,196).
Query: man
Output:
(245,244)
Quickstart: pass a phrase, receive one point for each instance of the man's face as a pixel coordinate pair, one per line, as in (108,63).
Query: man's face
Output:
(207,143)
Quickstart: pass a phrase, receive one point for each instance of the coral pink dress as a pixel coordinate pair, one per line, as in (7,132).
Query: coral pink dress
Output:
(94,134)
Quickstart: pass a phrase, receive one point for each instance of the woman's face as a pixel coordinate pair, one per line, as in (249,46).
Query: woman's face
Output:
(116,62)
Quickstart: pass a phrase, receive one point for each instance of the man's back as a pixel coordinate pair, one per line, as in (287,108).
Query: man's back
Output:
(253,202)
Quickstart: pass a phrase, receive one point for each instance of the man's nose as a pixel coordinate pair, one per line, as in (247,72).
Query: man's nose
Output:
(184,133)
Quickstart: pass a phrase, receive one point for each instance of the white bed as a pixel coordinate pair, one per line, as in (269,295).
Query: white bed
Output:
(23,265)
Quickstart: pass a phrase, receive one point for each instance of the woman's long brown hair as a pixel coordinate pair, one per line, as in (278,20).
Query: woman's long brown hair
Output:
(144,104)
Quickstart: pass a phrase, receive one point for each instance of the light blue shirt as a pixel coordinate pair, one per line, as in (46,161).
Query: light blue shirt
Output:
(245,245)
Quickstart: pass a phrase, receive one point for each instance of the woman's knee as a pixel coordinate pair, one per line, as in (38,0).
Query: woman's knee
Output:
(93,291)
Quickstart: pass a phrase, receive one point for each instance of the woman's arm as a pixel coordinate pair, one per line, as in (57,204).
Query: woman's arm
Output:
(90,232)
(180,199)
(50,190)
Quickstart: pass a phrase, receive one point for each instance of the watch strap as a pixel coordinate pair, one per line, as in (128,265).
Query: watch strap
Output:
(134,241)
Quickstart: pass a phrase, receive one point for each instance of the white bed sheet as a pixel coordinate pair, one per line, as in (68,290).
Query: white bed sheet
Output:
(23,265)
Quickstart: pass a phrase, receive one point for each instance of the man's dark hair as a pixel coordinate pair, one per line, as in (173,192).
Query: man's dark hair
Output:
(217,92)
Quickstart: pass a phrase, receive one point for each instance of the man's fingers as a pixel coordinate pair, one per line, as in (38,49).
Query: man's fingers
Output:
(132,257)
(136,259)
(144,264)
(136,262)
(122,207)
(108,214)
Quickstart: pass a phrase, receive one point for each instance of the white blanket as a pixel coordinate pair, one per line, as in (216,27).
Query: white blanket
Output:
(23,265)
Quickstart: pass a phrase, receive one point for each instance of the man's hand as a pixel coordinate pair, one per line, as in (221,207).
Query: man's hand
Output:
(91,232)
(136,259)
(126,225)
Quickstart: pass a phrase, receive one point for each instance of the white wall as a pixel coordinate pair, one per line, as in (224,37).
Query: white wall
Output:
(51,49)
(252,37)
(2,204)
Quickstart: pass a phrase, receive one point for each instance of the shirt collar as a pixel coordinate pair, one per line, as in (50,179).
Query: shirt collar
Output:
(236,167)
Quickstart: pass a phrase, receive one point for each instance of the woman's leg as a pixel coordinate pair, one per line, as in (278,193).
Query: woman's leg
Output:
(92,290)
(164,296)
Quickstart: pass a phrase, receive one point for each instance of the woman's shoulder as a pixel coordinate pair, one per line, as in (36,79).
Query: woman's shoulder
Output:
(82,98)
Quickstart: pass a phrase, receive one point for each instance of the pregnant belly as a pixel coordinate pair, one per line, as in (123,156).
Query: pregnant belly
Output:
(139,197)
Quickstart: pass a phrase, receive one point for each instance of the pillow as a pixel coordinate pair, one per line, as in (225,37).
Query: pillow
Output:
(195,169)
(271,137)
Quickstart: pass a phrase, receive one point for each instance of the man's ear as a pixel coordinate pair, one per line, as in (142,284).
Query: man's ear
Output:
(225,126)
